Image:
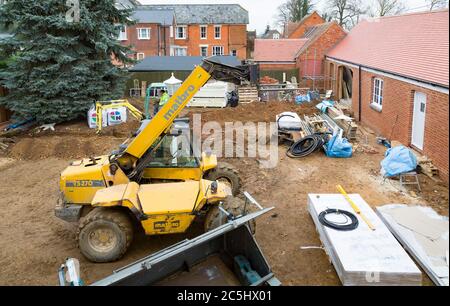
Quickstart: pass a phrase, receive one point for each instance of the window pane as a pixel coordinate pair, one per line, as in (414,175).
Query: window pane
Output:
(217,31)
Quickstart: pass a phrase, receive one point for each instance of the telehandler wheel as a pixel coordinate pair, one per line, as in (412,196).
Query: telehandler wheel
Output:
(228,174)
(215,217)
(105,234)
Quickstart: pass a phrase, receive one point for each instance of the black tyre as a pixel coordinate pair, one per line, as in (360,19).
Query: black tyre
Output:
(228,174)
(215,217)
(105,234)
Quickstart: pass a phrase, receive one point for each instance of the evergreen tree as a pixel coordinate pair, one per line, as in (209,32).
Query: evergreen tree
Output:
(299,9)
(60,65)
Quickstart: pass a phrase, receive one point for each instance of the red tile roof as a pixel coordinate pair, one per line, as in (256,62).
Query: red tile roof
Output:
(277,50)
(413,45)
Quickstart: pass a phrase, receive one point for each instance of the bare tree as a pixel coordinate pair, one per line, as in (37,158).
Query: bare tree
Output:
(346,12)
(283,14)
(437,4)
(388,7)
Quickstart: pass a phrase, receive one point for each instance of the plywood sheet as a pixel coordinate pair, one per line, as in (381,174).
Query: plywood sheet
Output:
(362,256)
(430,254)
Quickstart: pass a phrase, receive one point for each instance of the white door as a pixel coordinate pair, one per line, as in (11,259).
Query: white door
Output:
(418,124)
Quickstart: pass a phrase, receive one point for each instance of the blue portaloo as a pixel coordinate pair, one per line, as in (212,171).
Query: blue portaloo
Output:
(338,147)
(398,160)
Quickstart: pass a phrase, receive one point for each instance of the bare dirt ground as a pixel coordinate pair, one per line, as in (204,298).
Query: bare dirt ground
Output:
(33,242)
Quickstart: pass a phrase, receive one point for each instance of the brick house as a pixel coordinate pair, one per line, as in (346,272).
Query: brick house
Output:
(305,56)
(395,70)
(298,29)
(278,56)
(151,35)
(207,29)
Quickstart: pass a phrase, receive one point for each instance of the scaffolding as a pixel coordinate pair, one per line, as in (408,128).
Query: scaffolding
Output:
(319,81)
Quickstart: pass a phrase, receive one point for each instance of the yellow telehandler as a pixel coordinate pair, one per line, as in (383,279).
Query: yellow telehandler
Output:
(151,180)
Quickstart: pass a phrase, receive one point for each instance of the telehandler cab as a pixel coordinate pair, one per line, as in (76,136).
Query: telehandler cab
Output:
(151,180)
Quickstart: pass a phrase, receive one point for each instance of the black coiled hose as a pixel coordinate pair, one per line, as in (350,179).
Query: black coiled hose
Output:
(306,146)
(339,226)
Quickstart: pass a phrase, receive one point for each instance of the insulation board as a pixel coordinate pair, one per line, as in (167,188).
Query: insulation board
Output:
(363,257)
(431,253)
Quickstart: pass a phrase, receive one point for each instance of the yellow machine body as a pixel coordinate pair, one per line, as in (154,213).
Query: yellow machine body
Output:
(162,208)
(159,208)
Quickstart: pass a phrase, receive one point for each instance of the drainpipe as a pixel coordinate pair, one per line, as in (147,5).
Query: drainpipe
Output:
(359,93)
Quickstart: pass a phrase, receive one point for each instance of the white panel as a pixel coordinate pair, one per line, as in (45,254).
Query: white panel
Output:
(362,256)
(418,124)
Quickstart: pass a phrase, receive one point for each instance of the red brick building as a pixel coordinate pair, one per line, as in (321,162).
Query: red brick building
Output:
(298,29)
(151,35)
(194,30)
(395,70)
(304,57)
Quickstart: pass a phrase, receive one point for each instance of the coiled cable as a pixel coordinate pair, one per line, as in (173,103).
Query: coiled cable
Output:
(340,226)
(306,146)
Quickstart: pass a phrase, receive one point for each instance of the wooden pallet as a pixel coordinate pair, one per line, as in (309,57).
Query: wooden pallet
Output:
(248,94)
(350,128)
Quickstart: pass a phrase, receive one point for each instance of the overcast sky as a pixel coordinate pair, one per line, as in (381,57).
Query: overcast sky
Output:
(262,12)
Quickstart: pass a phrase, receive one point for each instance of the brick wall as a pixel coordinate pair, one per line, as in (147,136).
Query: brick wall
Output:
(152,47)
(277,66)
(314,56)
(312,20)
(398,100)
(233,37)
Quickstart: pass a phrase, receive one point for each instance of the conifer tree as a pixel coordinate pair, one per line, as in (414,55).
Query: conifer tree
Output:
(60,57)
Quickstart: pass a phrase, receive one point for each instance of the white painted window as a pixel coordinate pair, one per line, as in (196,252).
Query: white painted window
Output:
(203,32)
(377,98)
(140,56)
(122,33)
(181,32)
(217,32)
(276,36)
(143,33)
(233,53)
(218,50)
(203,50)
(179,51)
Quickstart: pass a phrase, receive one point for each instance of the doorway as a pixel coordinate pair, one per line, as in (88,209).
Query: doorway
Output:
(418,124)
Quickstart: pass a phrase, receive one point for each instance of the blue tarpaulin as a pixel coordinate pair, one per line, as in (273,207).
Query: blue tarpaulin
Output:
(339,147)
(322,106)
(398,160)
(302,99)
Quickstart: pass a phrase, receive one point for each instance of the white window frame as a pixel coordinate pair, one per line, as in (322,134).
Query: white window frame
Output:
(140,37)
(206,32)
(175,48)
(220,31)
(233,51)
(377,93)
(124,32)
(204,46)
(214,49)
(140,54)
(276,36)
(185,32)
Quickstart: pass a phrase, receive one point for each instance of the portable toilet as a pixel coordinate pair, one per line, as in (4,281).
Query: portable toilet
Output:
(172,84)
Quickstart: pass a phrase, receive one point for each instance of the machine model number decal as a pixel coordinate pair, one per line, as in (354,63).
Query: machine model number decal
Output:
(165,226)
(85,183)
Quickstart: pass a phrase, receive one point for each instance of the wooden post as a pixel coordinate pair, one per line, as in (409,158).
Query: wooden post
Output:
(143,88)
